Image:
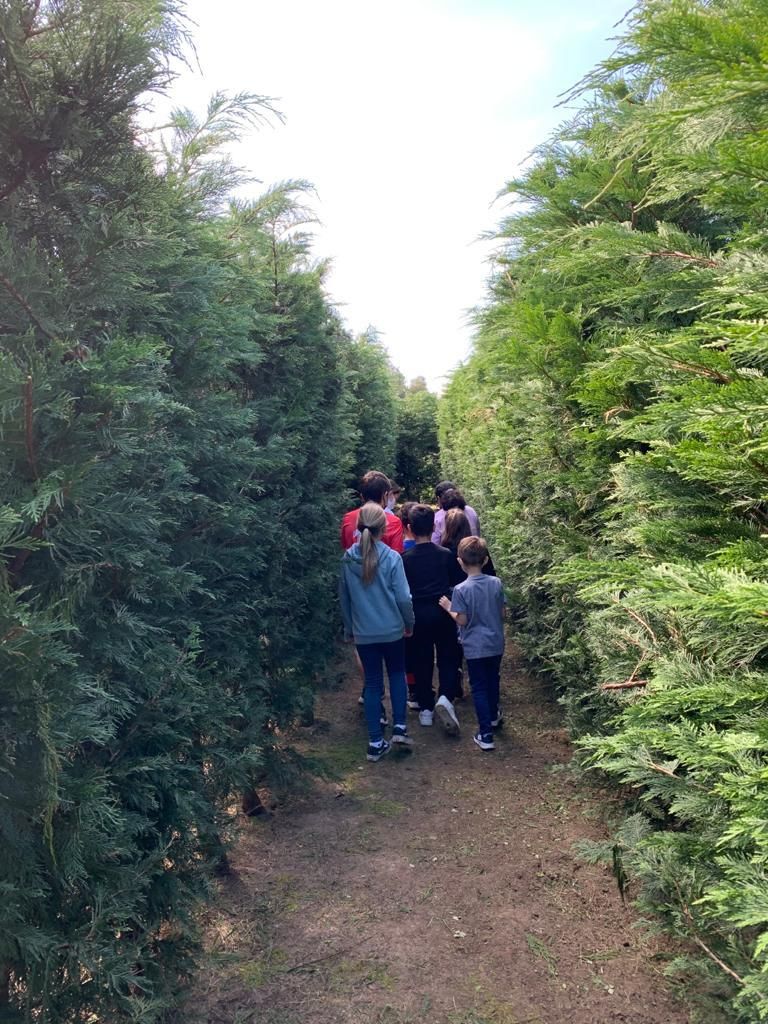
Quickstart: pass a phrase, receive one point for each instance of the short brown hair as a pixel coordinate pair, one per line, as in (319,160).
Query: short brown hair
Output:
(473,551)
(374,486)
(422,520)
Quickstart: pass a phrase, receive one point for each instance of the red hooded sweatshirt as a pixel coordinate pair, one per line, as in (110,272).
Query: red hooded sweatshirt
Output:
(392,537)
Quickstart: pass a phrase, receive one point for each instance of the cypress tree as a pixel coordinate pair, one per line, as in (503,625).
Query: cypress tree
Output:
(417,460)
(611,424)
(175,443)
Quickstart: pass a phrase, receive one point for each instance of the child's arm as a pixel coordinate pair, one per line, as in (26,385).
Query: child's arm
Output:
(403,596)
(458,617)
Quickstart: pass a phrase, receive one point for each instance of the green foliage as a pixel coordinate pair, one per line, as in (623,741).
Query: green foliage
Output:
(611,428)
(417,461)
(373,405)
(176,434)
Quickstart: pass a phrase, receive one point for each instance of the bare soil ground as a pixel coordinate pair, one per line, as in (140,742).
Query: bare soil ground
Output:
(438,887)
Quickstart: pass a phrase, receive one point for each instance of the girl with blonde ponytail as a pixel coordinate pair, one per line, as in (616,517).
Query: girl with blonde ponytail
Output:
(378,613)
(371,524)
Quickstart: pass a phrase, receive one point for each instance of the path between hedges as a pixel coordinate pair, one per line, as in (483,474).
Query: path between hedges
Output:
(433,888)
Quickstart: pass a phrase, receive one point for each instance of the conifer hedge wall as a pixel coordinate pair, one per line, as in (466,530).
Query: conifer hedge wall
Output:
(177,430)
(611,426)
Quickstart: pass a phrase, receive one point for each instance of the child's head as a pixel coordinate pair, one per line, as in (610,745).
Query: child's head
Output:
(395,490)
(444,485)
(374,487)
(452,499)
(456,528)
(371,523)
(422,521)
(473,552)
(405,513)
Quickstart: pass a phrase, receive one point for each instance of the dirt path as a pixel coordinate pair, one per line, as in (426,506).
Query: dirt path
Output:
(431,888)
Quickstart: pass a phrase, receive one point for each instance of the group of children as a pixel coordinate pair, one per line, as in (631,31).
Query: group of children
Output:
(416,588)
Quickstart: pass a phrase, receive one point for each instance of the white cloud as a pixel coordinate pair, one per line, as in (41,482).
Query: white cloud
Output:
(408,118)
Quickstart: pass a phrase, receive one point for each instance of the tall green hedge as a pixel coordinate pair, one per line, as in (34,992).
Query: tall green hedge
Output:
(177,430)
(611,427)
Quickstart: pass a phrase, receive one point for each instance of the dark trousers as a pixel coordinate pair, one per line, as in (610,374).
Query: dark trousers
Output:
(393,656)
(484,680)
(434,634)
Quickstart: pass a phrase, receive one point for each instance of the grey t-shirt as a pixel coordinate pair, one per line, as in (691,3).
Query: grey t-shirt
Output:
(481,599)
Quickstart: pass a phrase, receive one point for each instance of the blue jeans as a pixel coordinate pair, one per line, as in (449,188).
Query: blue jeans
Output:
(484,680)
(393,656)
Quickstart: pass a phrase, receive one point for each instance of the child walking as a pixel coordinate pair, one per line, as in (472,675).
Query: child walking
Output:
(427,569)
(477,605)
(378,613)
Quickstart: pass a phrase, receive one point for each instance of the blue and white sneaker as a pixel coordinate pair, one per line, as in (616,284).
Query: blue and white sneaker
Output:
(400,735)
(484,742)
(377,750)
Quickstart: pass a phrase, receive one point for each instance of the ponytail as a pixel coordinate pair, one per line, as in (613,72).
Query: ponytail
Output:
(371,523)
(368,551)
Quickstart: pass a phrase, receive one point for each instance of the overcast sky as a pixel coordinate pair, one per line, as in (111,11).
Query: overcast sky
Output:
(408,117)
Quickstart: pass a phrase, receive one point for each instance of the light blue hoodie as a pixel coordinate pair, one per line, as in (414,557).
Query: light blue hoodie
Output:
(377,612)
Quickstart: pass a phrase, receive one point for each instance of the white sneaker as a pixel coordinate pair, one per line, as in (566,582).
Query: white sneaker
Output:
(413,704)
(425,718)
(446,716)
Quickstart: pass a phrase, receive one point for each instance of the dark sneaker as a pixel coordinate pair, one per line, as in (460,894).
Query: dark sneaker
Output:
(484,742)
(400,735)
(498,721)
(377,750)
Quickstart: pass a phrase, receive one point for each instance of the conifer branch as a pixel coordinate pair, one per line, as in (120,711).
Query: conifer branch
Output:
(703,371)
(641,622)
(628,684)
(14,569)
(610,413)
(16,294)
(700,943)
(720,963)
(703,261)
(14,183)
(29,428)
(627,159)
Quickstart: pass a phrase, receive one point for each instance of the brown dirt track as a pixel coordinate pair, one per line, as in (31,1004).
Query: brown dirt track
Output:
(432,888)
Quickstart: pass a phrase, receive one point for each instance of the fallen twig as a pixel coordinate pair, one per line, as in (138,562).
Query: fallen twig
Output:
(329,956)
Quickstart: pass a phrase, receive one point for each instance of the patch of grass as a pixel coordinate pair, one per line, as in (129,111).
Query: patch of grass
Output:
(351,975)
(259,971)
(539,948)
(381,805)
(283,895)
(363,841)
(426,894)
(491,1012)
(392,1015)
(272,1017)
(341,758)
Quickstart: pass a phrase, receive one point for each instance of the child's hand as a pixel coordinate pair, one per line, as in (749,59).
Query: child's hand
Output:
(445,603)
(407,632)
